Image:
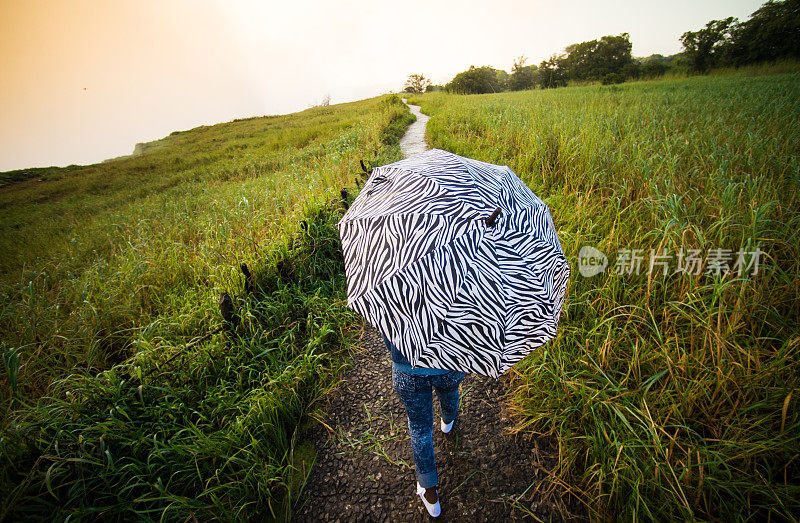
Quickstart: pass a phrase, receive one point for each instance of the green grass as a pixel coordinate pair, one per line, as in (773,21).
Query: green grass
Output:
(93,256)
(671,397)
(123,394)
(125,397)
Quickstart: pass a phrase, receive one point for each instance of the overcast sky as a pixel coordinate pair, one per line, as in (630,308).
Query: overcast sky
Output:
(83,81)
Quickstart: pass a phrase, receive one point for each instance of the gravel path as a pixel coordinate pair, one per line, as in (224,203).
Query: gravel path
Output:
(413,142)
(365,470)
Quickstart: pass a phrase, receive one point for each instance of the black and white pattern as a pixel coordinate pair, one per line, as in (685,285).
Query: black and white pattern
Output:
(450,291)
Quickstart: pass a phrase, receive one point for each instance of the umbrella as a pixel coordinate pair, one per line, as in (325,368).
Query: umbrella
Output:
(455,261)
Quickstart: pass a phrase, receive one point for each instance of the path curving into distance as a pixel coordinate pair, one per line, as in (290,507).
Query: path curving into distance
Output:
(413,142)
(364,469)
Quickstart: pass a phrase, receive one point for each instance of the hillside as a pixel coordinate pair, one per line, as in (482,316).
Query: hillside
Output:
(123,391)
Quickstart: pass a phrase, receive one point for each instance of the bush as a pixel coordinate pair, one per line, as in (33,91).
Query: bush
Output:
(613,78)
(399,120)
(654,69)
(477,80)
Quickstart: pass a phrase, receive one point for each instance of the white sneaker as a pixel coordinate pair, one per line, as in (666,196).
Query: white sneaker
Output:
(447,427)
(434,509)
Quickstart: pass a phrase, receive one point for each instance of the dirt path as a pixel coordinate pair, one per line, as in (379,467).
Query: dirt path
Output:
(365,470)
(413,142)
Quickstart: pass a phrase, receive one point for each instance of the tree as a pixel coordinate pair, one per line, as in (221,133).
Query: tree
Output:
(502,79)
(655,65)
(595,59)
(416,83)
(613,55)
(552,72)
(710,46)
(523,76)
(476,80)
(772,32)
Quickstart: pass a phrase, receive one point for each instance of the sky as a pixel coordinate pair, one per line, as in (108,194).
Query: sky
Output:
(82,81)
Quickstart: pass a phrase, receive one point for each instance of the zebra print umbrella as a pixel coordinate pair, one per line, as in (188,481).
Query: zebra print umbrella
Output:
(455,261)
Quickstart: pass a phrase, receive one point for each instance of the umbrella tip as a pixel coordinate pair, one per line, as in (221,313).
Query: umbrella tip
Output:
(490,221)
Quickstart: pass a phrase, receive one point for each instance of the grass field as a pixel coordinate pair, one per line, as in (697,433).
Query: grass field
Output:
(672,396)
(123,395)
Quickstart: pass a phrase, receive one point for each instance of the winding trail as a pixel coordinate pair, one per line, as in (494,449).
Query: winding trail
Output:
(413,142)
(365,470)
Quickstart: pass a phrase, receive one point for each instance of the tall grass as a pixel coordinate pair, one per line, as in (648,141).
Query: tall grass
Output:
(93,257)
(152,406)
(671,396)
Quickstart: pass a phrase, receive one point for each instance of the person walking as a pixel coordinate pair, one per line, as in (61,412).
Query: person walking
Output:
(414,386)
(458,263)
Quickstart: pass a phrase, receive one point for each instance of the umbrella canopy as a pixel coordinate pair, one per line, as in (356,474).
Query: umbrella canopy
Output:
(455,261)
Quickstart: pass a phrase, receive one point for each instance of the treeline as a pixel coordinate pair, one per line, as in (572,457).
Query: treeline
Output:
(772,32)
(608,60)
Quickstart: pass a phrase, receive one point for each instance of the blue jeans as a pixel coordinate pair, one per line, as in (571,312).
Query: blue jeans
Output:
(415,393)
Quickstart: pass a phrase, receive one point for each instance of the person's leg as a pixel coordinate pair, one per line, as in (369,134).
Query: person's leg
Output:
(415,393)
(446,386)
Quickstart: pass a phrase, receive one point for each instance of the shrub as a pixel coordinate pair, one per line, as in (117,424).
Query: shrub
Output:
(613,78)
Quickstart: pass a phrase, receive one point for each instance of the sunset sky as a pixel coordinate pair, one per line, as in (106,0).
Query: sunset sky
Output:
(84,81)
